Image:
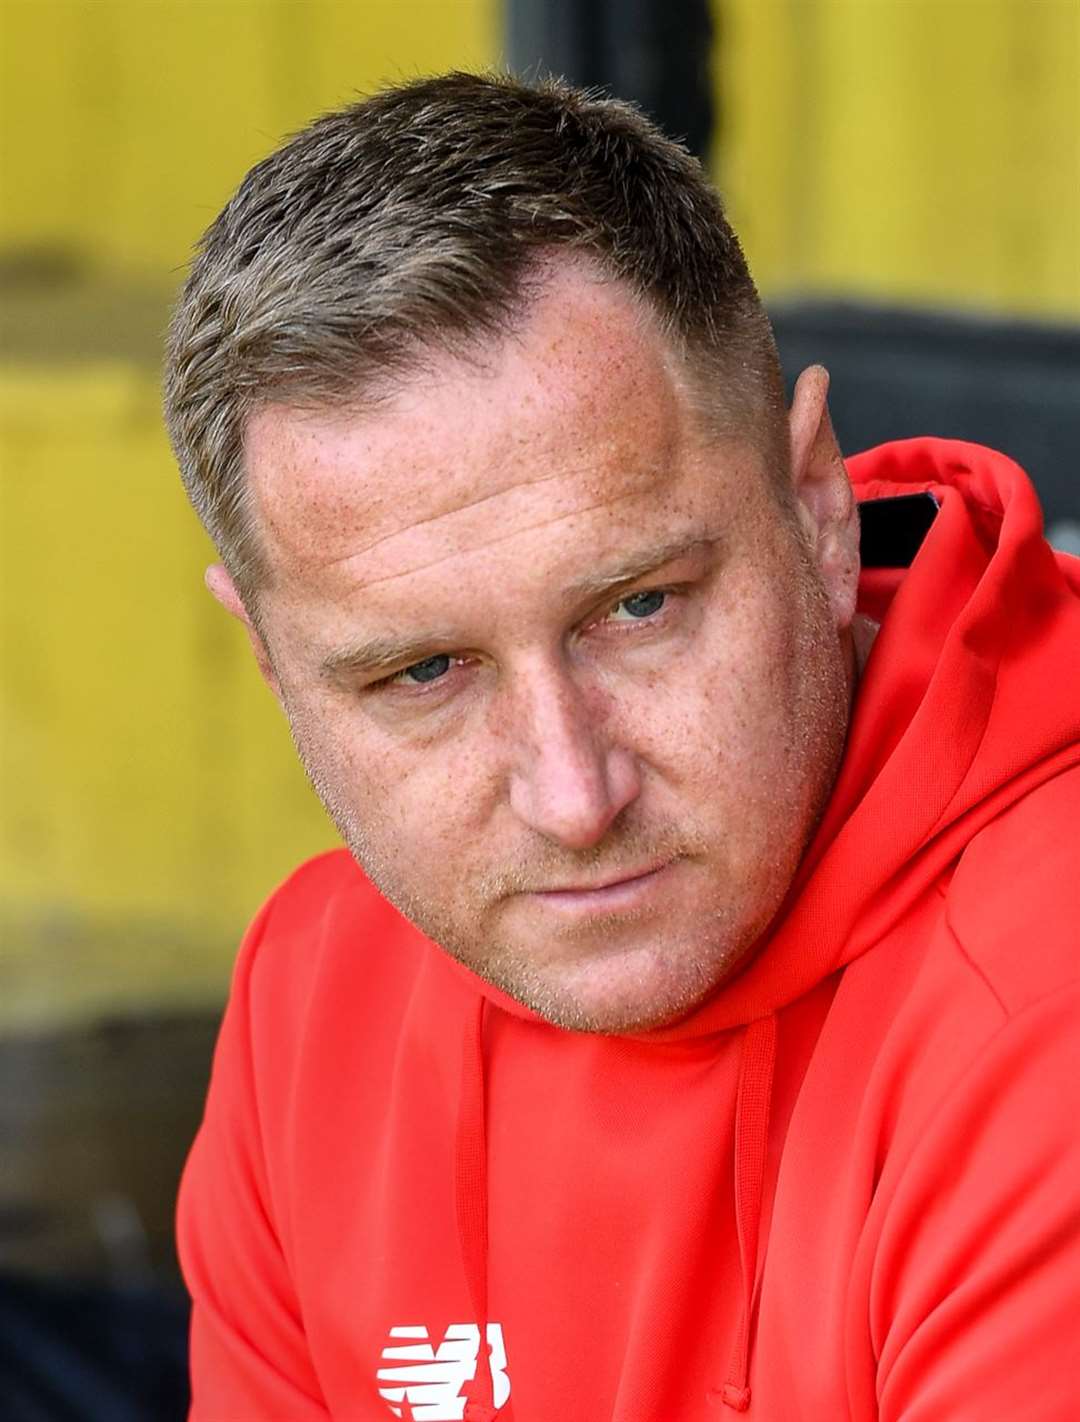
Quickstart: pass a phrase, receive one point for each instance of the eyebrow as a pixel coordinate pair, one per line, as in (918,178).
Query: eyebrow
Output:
(385,653)
(638,565)
(375,654)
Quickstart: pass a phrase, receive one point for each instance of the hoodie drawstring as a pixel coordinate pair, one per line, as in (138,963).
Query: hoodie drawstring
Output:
(753,1101)
(752,1106)
(472,1210)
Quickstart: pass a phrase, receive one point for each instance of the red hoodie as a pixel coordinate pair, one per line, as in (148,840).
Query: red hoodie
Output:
(846,1187)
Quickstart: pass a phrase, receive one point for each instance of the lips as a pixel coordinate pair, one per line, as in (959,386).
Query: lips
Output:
(611,883)
(609,898)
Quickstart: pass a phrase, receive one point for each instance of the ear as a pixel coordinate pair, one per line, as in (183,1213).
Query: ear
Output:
(220,583)
(826,503)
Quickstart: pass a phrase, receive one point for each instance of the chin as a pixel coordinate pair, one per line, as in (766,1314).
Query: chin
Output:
(615,994)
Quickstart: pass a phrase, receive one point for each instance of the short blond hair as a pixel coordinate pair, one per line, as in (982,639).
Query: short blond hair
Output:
(410,222)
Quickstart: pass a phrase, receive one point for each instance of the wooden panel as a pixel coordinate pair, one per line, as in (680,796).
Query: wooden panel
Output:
(912,150)
(149,793)
(125,124)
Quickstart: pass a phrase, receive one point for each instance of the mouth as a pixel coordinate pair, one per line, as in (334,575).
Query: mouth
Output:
(628,891)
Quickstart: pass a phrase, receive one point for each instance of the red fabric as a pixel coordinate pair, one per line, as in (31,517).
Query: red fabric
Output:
(890,1230)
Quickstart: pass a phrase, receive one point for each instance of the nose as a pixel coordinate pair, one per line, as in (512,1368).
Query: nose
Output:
(569,780)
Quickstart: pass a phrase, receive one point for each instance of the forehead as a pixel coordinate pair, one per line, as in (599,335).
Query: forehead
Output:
(562,427)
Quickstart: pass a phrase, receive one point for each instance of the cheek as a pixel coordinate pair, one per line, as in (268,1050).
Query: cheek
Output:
(344,775)
(407,811)
(726,694)
(744,714)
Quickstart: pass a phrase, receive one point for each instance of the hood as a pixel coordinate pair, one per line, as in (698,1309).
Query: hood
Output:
(961,710)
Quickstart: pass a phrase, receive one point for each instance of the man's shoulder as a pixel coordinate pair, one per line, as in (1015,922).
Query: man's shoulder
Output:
(304,893)
(326,919)
(1013,904)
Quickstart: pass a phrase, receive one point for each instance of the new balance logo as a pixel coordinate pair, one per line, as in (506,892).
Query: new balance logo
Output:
(425,1384)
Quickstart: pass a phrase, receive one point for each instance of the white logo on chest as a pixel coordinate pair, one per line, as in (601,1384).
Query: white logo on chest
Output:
(425,1383)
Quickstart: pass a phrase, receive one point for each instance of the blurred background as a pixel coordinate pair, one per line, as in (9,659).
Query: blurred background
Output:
(905,175)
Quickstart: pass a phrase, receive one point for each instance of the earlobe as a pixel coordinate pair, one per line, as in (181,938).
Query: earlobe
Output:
(827,506)
(220,583)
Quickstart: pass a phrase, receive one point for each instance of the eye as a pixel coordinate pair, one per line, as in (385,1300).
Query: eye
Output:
(420,673)
(640,605)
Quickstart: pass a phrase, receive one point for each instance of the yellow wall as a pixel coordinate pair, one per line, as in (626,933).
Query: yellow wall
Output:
(149,796)
(908,150)
(148,792)
(125,124)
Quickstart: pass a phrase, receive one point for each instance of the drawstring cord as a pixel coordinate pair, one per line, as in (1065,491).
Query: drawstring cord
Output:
(753,1102)
(752,1106)
(472,1211)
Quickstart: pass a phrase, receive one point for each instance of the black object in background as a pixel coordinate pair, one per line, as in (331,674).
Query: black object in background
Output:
(86,1352)
(1014,385)
(891,530)
(655,52)
(95,1121)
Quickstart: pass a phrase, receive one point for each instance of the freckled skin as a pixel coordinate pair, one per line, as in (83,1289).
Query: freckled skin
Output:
(568,741)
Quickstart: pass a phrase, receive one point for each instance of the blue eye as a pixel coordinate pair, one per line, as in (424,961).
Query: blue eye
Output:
(430,669)
(644,604)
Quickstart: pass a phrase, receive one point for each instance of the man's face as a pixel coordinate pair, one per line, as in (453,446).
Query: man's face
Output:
(561,669)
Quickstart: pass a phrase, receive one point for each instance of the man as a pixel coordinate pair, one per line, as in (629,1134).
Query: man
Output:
(692,1028)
